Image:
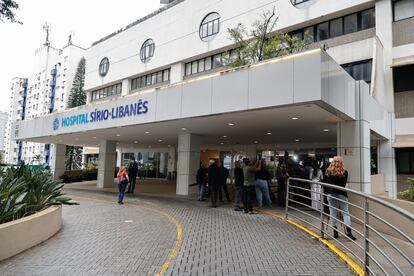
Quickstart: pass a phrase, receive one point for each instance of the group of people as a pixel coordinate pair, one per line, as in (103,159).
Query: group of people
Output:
(249,177)
(253,178)
(127,177)
(333,173)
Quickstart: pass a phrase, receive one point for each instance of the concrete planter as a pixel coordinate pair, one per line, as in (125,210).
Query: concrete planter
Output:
(19,235)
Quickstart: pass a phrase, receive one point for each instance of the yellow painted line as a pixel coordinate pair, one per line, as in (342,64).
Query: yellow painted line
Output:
(357,269)
(174,250)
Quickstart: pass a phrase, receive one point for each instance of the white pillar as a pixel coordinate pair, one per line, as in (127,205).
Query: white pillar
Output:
(354,147)
(386,159)
(177,72)
(57,163)
(188,163)
(172,161)
(106,165)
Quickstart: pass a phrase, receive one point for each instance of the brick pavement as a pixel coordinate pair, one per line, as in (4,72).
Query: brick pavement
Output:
(96,240)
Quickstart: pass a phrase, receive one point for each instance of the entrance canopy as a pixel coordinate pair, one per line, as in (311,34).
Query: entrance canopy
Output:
(245,105)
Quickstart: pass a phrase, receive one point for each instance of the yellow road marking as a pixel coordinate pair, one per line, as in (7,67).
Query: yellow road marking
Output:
(357,269)
(178,239)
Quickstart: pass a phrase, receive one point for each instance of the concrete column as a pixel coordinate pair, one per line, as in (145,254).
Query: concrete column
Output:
(106,165)
(188,163)
(125,87)
(177,72)
(354,147)
(386,159)
(57,163)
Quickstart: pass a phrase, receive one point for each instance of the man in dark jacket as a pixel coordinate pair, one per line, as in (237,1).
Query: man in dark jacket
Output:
(223,175)
(132,173)
(201,181)
(238,181)
(213,182)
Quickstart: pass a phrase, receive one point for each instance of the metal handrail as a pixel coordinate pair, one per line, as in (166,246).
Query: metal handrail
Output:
(362,251)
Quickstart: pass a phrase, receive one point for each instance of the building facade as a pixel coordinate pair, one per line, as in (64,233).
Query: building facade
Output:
(3,125)
(160,85)
(43,92)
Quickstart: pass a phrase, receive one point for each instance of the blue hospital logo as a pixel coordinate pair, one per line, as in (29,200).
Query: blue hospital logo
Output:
(56,124)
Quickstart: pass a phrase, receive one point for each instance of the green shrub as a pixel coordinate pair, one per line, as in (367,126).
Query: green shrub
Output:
(24,192)
(72,176)
(409,193)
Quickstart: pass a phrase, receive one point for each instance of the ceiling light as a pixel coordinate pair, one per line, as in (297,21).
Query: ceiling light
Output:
(325,130)
(118,135)
(160,140)
(295,118)
(269,133)
(224,136)
(169,146)
(147,132)
(135,142)
(297,140)
(94,137)
(183,129)
(256,142)
(231,124)
(221,143)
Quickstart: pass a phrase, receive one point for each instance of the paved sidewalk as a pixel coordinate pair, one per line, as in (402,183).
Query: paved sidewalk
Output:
(102,238)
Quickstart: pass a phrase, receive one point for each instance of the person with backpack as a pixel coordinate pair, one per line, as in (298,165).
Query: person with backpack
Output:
(122,183)
(132,174)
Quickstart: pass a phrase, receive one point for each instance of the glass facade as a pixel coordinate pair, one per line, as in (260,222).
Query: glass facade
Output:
(403,9)
(360,70)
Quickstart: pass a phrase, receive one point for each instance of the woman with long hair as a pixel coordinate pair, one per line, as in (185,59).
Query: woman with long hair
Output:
(338,176)
(122,183)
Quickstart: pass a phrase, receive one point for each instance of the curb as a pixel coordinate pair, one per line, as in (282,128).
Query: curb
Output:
(356,269)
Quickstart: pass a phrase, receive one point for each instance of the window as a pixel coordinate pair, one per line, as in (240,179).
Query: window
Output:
(210,26)
(360,70)
(351,23)
(336,28)
(322,31)
(298,2)
(207,63)
(147,50)
(403,9)
(405,160)
(112,90)
(368,19)
(150,79)
(309,31)
(403,78)
(104,67)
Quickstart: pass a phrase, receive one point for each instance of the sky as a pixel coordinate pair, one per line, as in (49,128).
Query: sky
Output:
(87,20)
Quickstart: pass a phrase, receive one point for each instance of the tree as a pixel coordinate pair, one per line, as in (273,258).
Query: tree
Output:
(263,42)
(77,97)
(37,159)
(7,9)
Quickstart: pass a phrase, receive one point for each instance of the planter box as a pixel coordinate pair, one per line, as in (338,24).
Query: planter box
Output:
(19,235)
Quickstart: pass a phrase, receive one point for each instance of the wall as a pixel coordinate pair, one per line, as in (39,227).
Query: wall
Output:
(19,235)
(172,33)
(402,32)
(404,104)
(205,156)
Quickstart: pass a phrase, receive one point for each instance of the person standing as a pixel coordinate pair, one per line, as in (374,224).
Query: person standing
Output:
(213,182)
(122,182)
(249,170)
(262,188)
(338,176)
(281,176)
(201,181)
(223,175)
(238,181)
(132,173)
(316,176)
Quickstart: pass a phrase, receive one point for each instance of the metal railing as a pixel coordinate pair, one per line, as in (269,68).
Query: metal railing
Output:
(378,253)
